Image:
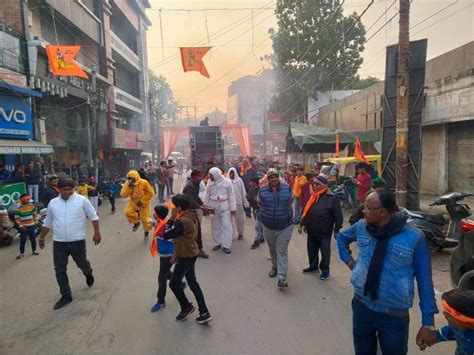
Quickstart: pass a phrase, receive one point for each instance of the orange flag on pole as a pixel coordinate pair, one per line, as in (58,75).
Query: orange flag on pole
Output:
(191,57)
(337,145)
(358,152)
(61,61)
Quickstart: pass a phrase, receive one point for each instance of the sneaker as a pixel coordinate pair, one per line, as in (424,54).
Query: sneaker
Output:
(181,317)
(261,241)
(255,245)
(282,284)
(89,279)
(300,230)
(113,211)
(202,254)
(35,252)
(204,318)
(145,236)
(324,275)
(20,256)
(240,237)
(310,270)
(157,307)
(64,300)
(216,247)
(273,272)
(135,227)
(227,250)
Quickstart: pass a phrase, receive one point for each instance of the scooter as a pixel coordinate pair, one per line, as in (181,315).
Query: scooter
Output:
(343,194)
(440,233)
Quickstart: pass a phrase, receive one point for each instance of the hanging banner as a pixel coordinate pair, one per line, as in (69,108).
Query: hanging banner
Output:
(61,61)
(191,58)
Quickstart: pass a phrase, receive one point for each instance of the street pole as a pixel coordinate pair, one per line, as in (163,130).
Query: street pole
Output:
(403,95)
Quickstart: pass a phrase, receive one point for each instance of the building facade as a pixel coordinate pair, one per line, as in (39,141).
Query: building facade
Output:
(102,121)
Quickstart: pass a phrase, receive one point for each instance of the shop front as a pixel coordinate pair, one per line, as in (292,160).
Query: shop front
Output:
(124,155)
(17,128)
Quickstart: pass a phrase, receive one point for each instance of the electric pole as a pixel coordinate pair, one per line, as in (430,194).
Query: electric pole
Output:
(403,96)
(195,111)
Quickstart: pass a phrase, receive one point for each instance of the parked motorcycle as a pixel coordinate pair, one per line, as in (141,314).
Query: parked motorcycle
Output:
(440,233)
(342,192)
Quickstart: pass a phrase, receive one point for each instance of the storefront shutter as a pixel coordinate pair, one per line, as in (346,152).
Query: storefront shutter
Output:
(461,156)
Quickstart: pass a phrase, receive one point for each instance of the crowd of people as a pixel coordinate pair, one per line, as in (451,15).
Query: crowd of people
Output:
(391,256)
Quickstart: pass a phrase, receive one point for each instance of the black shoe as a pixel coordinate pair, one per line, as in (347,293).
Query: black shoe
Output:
(35,252)
(310,270)
(202,254)
(240,237)
(227,250)
(146,235)
(204,318)
(135,226)
(216,247)
(20,256)
(64,300)
(282,284)
(181,317)
(273,272)
(255,245)
(89,279)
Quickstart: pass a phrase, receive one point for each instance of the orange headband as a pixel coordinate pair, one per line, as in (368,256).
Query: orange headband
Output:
(458,316)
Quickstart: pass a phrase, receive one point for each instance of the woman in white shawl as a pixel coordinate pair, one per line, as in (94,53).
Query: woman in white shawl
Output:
(240,201)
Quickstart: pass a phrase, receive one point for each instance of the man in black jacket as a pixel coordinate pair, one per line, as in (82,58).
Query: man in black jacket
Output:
(192,190)
(51,191)
(322,216)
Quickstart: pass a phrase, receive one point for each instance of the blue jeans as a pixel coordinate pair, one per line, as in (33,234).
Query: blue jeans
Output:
(367,326)
(258,228)
(297,210)
(33,191)
(24,234)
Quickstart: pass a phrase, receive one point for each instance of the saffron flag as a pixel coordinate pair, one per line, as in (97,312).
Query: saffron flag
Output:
(191,57)
(337,145)
(358,152)
(61,61)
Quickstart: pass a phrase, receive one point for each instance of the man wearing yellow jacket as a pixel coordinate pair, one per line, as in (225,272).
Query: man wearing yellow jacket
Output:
(138,208)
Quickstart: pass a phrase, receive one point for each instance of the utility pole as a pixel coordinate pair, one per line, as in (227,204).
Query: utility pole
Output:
(403,96)
(92,120)
(195,111)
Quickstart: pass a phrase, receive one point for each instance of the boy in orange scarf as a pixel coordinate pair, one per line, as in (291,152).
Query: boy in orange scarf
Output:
(300,180)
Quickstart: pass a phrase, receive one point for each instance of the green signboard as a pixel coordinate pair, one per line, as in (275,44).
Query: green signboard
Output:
(10,193)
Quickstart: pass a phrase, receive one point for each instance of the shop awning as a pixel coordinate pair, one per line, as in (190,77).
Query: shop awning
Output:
(17,146)
(20,90)
(322,140)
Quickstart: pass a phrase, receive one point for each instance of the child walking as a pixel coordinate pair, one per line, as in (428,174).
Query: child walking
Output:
(25,218)
(184,228)
(165,249)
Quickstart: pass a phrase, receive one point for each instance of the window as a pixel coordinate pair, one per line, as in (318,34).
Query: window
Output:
(10,52)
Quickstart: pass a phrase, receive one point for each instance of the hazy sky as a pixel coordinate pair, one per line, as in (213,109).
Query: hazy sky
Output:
(237,49)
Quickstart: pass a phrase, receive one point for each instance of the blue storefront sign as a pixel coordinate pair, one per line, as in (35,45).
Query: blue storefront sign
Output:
(15,117)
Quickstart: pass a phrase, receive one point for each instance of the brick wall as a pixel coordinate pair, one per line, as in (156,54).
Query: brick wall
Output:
(11,14)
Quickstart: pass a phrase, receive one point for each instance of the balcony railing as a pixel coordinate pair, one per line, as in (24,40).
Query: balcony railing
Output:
(125,52)
(128,101)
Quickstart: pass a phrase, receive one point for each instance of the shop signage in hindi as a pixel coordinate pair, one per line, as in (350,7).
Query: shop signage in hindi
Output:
(124,139)
(15,117)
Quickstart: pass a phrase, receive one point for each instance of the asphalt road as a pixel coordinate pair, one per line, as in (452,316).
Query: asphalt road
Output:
(251,316)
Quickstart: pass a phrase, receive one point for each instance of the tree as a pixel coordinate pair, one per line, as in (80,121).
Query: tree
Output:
(359,83)
(163,107)
(315,48)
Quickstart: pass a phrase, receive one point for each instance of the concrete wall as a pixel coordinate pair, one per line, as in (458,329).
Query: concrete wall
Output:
(356,112)
(433,165)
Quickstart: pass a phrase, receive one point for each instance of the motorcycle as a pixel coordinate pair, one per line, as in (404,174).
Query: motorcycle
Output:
(342,192)
(440,233)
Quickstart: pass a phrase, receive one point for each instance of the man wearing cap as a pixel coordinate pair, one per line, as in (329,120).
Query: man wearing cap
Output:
(276,202)
(322,214)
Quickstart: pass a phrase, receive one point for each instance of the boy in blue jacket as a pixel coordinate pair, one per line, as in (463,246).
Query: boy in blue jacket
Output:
(165,249)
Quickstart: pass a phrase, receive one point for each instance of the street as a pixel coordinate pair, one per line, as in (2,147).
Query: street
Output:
(251,316)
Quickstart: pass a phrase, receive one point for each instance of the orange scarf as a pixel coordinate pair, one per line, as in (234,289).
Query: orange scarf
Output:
(154,246)
(299,181)
(314,197)
(469,322)
(244,170)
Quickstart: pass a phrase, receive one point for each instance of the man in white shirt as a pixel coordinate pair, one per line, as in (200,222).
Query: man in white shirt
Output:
(219,196)
(67,217)
(240,200)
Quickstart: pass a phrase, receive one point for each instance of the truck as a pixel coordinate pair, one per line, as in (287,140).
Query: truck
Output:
(207,147)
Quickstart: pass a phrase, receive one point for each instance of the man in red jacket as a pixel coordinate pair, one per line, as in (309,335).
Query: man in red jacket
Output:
(363,182)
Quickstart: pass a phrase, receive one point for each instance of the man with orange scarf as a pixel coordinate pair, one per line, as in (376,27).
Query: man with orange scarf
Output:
(300,180)
(322,215)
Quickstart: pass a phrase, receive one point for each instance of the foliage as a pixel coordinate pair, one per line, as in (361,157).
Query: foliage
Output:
(359,84)
(316,47)
(163,107)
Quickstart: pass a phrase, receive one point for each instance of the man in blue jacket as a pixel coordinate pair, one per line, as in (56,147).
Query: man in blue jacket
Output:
(390,256)
(276,214)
